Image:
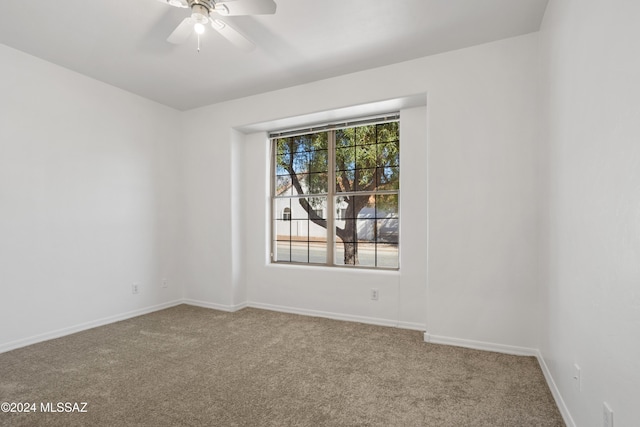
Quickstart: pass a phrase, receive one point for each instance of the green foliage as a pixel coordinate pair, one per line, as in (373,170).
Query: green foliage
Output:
(302,159)
(367,159)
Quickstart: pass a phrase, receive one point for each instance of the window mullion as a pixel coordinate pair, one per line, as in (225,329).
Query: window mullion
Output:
(331,146)
(272,185)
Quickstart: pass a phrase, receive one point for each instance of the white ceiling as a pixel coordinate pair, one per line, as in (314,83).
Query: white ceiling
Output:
(123,42)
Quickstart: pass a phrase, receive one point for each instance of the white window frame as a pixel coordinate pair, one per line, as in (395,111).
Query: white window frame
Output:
(332,214)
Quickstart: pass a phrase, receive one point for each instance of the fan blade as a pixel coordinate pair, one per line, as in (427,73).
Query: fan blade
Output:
(175,3)
(232,35)
(182,32)
(246,7)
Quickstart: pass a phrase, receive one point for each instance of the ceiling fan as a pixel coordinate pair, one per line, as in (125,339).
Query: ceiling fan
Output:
(204,12)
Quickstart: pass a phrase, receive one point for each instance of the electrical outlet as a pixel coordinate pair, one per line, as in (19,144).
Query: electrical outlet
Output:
(134,288)
(374,294)
(577,380)
(607,415)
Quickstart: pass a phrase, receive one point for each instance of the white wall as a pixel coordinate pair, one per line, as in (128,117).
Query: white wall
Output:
(88,200)
(477,155)
(592,251)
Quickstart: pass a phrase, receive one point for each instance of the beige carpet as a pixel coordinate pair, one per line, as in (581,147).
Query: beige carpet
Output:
(189,366)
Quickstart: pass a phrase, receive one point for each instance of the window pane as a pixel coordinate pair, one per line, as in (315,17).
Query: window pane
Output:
(318,206)
(365,156)
(283,251)
(302,143)
(299,229)
(367,254)
(286,214)
(354,204)
(387,230)
(299,205)
(388,154)
(366,230)
(338,254)
(387,256)
(300,184)
(317,233)
(299,236)
(280,170)
(317,183)
(281,207)
(345,158)
(345,137)
(365,135)
(346,234)
(368,226)
(387,215)
(388,178)
(301,165)
(321,141)
(387,206)
(345,180)
(296,162)
(388,131)
(299,251)
(283,230)
(318,252)
(309,142)
(361,253)
(318,161)
(341,203)
(301,162)
(365,179)
(283,185)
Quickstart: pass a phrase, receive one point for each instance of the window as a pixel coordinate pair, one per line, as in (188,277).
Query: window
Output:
(344,178)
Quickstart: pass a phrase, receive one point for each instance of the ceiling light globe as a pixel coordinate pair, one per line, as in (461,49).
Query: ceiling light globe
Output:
(198,28)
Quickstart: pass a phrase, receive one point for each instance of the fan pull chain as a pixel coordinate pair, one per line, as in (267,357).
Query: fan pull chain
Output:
(198,43)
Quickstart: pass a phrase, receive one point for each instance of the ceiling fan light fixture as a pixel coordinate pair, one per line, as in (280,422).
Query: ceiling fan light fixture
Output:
(198,28)
(198,18)
(199,14)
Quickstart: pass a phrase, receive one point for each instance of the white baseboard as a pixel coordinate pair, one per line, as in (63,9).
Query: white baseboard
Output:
(214,306)
(481,345)
(12,345)
(338,316)
(564,410)
(411,325)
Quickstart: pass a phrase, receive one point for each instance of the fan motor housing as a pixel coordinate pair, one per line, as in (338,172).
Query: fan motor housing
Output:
(198,5)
